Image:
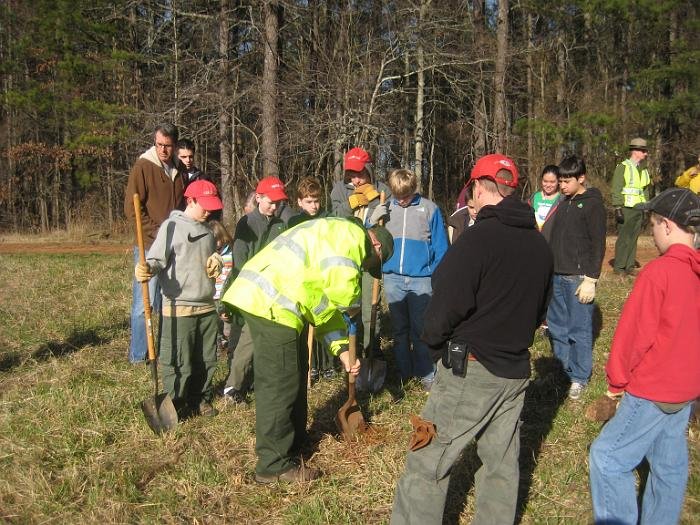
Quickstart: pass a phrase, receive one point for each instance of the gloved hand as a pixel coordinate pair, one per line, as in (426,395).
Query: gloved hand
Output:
(357,199)
(142,272)
(586,290)
(369,191)
(381,212)
(619,216)
(604,408)
(214,265)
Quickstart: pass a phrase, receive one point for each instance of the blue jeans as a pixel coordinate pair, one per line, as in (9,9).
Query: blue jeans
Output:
(138,347)
(571,328)
(640,429)
(408,298)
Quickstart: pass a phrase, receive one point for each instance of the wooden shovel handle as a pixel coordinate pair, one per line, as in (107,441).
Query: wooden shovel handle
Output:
(144,285)
(310,344)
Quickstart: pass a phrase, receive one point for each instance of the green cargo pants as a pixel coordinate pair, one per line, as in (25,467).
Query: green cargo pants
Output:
(281,365)
(480,404)
(188,357)
(627,235)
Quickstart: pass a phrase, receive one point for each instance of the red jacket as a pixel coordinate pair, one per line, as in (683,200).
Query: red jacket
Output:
(655,352)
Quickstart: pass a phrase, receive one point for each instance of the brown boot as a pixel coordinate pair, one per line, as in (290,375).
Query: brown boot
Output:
(300,473)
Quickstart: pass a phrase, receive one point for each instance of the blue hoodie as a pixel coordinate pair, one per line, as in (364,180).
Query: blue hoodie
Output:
(420,239)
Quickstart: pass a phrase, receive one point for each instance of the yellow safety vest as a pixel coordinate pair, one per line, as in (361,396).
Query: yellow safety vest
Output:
(308,274)
(635,182)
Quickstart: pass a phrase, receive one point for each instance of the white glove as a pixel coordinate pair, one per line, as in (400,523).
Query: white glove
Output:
(214,265)
(379,213)
(586,290)
(142,272)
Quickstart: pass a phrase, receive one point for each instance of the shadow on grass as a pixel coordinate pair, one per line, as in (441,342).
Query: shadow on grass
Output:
(75,342)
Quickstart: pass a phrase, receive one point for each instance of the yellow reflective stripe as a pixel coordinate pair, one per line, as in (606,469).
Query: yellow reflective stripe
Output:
(269,289)
(294,247)
(322,306)
(337,260)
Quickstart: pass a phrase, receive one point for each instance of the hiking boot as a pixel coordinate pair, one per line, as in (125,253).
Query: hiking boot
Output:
(207,410)
(234,397)
(300,474)
(329,374)
(314,375)
(576,390)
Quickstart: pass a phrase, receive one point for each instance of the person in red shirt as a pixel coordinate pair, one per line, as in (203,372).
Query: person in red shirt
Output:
(655,361)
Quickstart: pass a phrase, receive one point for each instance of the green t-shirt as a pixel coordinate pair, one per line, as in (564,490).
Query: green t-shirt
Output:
(542,206)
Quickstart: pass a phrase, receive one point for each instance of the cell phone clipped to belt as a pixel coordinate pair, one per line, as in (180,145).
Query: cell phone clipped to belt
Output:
(456,358)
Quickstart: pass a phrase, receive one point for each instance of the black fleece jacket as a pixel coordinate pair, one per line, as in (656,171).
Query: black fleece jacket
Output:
(491,290)
(578,234)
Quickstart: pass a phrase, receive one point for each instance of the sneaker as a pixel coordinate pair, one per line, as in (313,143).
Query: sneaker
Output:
(329,374)
(233,396)
(301,474)
(207,410)
(576,390)
(314,375)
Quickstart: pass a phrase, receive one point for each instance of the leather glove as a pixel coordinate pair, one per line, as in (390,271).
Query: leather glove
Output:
(586,290)
(214,265)
(423,432)
(619,216)
(380,213)
(369,191)
(142,272)
(604,408)
(357,199)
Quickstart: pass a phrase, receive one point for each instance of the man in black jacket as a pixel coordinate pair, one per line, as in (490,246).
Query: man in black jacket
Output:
(490,294)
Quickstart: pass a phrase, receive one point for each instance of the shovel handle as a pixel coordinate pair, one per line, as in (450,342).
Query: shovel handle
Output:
(352,356)
(144,285)
(310,344)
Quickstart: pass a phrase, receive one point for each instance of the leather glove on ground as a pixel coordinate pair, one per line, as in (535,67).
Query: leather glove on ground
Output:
(357,199)
(619,216)
(423,432)
(603,408)
(214,265)
(586,290)
(142,272)
(380,213)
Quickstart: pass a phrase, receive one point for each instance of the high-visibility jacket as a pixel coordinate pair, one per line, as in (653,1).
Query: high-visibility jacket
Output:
(635,182)
(309,274)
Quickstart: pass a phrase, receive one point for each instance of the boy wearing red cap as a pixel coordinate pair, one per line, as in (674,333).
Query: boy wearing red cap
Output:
(253,232)
(184,256)
(490,294)
(356,196)
(655,361)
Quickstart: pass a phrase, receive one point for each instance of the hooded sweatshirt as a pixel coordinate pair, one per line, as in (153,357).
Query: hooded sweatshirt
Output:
(180,254)
(655,352)
(577,238)
(491,290)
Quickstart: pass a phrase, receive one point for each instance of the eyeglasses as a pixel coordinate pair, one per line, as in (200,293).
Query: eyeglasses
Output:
(164,146)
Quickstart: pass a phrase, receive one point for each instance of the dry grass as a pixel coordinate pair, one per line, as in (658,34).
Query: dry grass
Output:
(74,447)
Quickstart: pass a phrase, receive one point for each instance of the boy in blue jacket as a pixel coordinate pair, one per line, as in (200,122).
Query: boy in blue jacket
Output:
(420,241)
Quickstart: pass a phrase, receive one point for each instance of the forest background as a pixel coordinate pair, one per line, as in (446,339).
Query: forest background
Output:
(286,87)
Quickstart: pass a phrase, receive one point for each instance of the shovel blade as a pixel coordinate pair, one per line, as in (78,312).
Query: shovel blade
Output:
(160,413)
(350,421)
(372,376)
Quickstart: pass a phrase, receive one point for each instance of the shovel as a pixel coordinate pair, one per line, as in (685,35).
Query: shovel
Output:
(159,410)
(349,418)
(373,371)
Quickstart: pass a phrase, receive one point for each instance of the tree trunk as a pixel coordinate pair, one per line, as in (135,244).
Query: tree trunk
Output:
(420,95)
(500,126)
(225,157)
(269,91)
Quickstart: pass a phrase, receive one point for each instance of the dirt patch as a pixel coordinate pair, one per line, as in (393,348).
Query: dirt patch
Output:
(646,251)
(64,248)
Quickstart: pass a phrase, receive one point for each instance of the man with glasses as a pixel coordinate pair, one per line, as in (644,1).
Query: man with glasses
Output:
(156,179)
(630,186)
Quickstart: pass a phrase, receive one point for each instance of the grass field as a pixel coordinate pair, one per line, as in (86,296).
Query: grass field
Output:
(75,448)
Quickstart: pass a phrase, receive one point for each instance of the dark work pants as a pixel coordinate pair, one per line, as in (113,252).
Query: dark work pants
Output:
(627,235)
(281,365)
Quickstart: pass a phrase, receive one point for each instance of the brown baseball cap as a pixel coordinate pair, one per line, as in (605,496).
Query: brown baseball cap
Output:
(639,144)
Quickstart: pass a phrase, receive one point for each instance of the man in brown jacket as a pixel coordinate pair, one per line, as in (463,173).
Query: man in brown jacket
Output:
(156,179)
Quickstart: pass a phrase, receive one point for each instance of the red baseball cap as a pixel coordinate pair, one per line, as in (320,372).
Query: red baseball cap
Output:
(356,159)
(489,165)
(206,195)
(273,188)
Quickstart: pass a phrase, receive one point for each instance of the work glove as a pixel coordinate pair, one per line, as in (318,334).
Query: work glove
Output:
(586,290)
(142,272)
(369,191)
(357,199)
(214,265)
(619,216)
(604,408)
(380,213)
(423,432)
